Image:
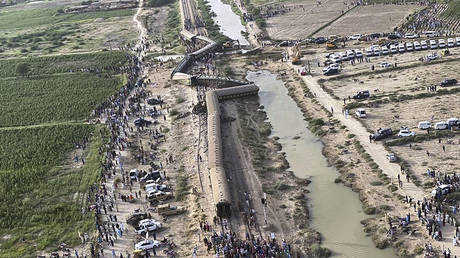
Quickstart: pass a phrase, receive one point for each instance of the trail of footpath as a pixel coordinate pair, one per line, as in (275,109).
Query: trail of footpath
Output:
(378,154)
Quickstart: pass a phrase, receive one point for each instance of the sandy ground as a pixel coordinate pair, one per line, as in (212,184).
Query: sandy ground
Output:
(304,18)
(371,18)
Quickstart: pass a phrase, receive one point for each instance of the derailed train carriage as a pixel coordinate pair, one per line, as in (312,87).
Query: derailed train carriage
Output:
(220,187)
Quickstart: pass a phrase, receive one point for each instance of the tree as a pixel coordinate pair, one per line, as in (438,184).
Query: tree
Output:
(22,69)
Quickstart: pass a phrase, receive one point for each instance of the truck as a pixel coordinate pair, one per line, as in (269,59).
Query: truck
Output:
(167,210)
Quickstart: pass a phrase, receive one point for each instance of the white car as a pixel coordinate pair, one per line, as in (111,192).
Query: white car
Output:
(409,46)
(335,66)
(405,132)
(442,43)
(417,46)
(147,226)
(441,126)
(457,41)
(401,48)
(385,51)
(355,36)
(350,54)
(411,36)
(133,174)
(441,190)
(424,125)
(358,53)
(147,244)
(156,187)
(423,44)
(433,44)
(369,52)
(385,64)
(376,50)
(432,57)
(450,42)
(361,113)
(394,49)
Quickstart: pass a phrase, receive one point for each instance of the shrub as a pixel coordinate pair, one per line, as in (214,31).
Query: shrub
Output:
(319,251)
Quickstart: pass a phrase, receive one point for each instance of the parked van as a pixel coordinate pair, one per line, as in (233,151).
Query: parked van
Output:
(360,112)
(376,50)
(394,49)
(423,44)
(409,46)
(450,42)
(442,43)
(433,44)
(441,126)
(457,41)
(424,125)
(401,48)
(417,46)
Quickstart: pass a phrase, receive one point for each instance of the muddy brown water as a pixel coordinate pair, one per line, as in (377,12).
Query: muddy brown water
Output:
(336,210)
(230,23)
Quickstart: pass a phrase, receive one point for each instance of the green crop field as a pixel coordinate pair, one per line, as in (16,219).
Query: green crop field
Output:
(105,61)
(53,98)
(42,194)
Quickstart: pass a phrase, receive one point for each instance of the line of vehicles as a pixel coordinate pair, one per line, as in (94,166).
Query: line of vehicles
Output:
(391,48)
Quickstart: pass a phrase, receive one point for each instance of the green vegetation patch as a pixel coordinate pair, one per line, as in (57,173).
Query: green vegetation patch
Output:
(53,98)
(103,61)
(41,204)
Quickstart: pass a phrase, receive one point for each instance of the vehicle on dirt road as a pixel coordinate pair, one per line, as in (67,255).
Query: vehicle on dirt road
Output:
(361,113)
(147,226)
(147,244)
(154,101)
(392,157)
(142,122)
(424,125)
(167,210)
(448,82)
(362,94)
(382,133)
(442,190)
(385,65)
(405,132)
(331,71)
(441,126)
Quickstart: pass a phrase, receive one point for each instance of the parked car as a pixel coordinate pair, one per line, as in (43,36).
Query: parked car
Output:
(147,244)
(394,36)
(441,126)
(411,36)
(369,52)
(433,44)
(401,48)
(331,71)
(133,174)
(457,41)
(450,42)
(392,157)
(355,36)
(432,57)
(320,40)
(442,190)
(385,65)
(385,51)
(334,66)
(147,225)
(167,209)
(362,94)
(361,113)
(358,53)
(417,46)
(142,122)
(442,43)
(424,125)
(423,44)
(448,82)
(382,134)
(394,49)
(154,101)
(405,132)
(409,46)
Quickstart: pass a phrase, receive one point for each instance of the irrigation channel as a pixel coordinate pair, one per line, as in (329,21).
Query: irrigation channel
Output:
(336,210)
(229,22)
